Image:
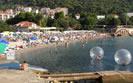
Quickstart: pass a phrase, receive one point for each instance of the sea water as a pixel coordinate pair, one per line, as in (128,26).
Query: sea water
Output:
(76,58)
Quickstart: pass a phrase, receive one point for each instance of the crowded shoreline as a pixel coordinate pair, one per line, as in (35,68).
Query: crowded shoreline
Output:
(24,41)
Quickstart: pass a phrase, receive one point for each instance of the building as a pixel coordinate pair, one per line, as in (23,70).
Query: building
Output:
(77,16)
(116,16)
(4,15)
(24,9)
(45,10)
(100,16)
(26,26)
(129,14)
(62,9)
(16,13)
(35,11)
(49,12)
(9,11)
(50,15)
(27,9)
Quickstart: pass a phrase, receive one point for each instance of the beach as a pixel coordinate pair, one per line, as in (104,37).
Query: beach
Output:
(57,43)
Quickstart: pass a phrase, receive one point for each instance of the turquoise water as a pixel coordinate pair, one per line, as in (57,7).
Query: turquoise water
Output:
(76,59)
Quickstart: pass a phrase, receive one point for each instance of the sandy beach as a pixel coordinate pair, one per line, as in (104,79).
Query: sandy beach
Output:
(17,52)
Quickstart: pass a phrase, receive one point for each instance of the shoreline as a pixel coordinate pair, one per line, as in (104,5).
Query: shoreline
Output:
(17,52)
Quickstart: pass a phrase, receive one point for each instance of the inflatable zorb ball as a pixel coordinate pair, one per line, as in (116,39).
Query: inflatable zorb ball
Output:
(123,57)
(96,51)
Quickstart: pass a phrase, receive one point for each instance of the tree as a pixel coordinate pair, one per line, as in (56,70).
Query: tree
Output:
(50,22)
(74,24)
(101,22)
(40,20)
(88,20)
(130,22)
(59,15)
(112,21)
(28,16)
(5,27)
(124,19)
(61,22)
(75,6)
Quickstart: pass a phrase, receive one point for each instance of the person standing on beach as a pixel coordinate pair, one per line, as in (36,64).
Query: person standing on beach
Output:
(66,44)
(24,65)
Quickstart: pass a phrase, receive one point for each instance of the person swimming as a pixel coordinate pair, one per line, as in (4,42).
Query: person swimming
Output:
(66,44)
(98,57)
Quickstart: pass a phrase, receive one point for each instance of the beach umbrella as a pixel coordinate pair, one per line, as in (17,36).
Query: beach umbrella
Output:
(2,48)
(4,42)
(32,38)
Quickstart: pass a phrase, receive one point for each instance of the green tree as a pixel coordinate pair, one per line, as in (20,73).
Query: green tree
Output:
(61,22)
(59,15)
(5,27)
(40,20)
(28,16)
(112,21)
(50,22)
(74,24)
(88,20)
(124,19)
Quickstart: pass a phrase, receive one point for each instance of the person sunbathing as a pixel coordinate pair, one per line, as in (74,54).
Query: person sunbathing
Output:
(24,65)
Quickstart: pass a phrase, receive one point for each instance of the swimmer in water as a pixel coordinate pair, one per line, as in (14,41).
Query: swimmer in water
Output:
(98,57)
(66,44)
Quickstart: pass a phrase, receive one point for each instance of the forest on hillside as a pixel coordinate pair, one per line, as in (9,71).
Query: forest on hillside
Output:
(75,6)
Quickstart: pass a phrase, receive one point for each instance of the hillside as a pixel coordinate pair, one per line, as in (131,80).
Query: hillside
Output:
(95,6)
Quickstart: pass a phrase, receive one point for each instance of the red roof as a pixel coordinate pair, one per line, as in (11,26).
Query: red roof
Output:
(58,8)
(77,14)
(25,24)
(50,15)
(1,12)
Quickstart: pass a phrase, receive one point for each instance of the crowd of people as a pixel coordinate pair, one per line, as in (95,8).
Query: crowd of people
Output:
(20,40)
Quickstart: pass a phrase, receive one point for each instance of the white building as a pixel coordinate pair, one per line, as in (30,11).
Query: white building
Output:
(24,9)
(77,16)
(27,9)
(26,26)
(129,14)
(116,16)
(101,17)
(45,10)
(4,15)
(53,11)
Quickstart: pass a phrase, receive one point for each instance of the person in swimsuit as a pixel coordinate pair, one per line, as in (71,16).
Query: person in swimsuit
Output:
(24,65)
